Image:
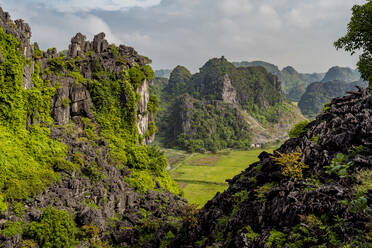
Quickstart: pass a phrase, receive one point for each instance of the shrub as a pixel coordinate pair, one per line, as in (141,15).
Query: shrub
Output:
(136,76)
(339,165)
(298,129)
(56,229)
(291,164)
(276,238)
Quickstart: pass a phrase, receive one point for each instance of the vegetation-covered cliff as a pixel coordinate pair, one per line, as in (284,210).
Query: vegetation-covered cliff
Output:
(225,107)
(74,167)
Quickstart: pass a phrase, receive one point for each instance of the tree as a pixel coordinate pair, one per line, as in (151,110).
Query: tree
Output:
(359,37)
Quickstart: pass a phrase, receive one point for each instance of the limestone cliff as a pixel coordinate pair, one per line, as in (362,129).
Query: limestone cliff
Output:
(75,172)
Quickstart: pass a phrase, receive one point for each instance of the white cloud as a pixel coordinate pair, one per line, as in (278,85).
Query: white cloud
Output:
(71,6)
(189,32)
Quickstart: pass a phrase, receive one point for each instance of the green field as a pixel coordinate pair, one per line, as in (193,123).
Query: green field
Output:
(201,176)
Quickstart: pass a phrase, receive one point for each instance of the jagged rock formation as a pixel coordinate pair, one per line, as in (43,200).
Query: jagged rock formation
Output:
(320,93)
(331,206)
(74,125)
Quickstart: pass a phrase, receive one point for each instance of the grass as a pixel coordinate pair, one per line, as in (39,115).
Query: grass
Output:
(201,176)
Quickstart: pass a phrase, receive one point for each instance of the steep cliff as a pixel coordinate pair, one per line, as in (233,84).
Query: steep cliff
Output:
(74,170)
(314,191)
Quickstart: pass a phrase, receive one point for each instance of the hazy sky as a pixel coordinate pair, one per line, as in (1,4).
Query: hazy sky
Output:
(189,32)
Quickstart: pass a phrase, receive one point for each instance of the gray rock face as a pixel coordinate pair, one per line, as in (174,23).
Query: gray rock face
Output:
(228,91)
(77,46)
(99,43)
(28,70)
(71,100)
(143,116)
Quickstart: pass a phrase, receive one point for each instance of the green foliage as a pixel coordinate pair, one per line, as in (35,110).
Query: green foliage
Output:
(249,233)
(3,204)
(298,129)
(93,171)
(153,104)
(114,50)
(141,180)
(18,208)
(66,102)
(90,235)
(136,76)
(149,73)
(365,179)
(276,239)
(27,157)
(358,38)
(291,164)
(178,81)
(264,189)
(211,127)
(339,165)
(167,239)
(56,229)
(12,228)
(315,139)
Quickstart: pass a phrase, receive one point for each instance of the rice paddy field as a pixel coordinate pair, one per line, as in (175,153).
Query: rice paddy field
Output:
(201,176)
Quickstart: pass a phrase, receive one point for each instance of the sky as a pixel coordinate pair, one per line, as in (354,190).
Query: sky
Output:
(299,33)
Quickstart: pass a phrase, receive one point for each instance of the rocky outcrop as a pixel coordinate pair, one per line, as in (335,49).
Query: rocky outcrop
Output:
(228,93)
(22,32)
(71,101)
(144,118)
(327,207)
(92,184)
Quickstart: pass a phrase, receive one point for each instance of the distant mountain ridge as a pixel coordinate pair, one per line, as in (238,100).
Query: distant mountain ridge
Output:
(320,93)
(218,107)
(341,73)
(294,84)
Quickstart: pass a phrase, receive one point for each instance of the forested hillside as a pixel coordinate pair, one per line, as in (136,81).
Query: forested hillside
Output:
(224,107)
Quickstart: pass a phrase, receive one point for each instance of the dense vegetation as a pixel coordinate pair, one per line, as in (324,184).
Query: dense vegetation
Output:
(201,126)
(178,81)
(358,38)
(29,159)
(212,116)
(37,154)
(293,83)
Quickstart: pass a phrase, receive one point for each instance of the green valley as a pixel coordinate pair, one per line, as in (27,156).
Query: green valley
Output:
(201,176)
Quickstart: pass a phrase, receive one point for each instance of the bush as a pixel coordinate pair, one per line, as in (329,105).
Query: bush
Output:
(276,238)
(291,164)
(298,129)
(56,229)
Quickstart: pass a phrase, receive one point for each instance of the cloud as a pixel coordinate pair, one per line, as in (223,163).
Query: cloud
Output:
(71,6)
(189,32)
